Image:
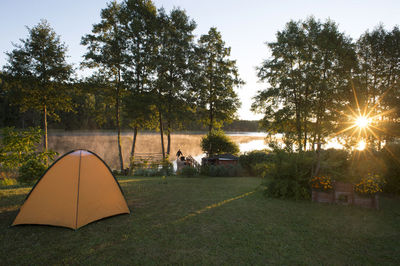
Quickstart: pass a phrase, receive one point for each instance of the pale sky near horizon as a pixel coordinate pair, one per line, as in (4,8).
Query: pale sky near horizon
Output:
(245,25)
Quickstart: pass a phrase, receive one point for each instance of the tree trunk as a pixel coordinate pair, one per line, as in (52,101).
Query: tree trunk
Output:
(210,127)
(45,135)
(305,132)
(298,127)
(169,139)
(318,166)
(132,158)
(45,129)
(162,135)
(117,118)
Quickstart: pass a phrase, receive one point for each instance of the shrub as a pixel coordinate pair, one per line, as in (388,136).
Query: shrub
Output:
(19,146)
(390,156)
(222,170)
(287,188)
(254,162)
(165,168)
(7,182)
(31,171)
(216,142)
(289,173)
(334,163)
(364,162)
(146,172)
(188,171)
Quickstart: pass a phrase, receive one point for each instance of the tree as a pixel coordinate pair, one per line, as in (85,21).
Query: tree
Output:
(216,78)
(282,103)
(175,46)
(309,80)
(39,69)
(216,142)
(106,53)
(139,29)
(378,53)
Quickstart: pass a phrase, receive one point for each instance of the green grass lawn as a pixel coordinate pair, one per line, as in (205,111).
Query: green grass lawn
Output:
(208,221)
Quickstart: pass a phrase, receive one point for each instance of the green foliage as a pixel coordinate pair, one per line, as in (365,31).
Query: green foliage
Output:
(231,170)
(187,171)
(19,146)
(254,162)
(4,182)
(289,174)
(217,142)
(31,171)
(164,168)
(335,164)
(363,163)
(214,81)
(307,79)
(167,168)
(39,70)
(146,172)
(391,173)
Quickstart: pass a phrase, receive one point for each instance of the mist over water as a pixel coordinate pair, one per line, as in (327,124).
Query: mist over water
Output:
(104,143)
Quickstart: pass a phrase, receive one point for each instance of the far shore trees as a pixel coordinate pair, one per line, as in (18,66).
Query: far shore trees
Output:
(38,74)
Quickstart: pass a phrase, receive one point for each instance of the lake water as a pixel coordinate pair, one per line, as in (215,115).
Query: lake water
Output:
(104,143)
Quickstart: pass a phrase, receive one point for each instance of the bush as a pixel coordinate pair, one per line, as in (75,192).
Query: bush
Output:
(7,182)
(164,168)
(146,172)
(19,146)
(222,170)
(254,162)
(390,156)
(363,163)
(216,142)
(188,171)
(31,171)
(335,164)
(289,173)
(167,168)
(287,188)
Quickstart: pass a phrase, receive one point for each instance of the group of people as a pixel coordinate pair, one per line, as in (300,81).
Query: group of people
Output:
(182,160)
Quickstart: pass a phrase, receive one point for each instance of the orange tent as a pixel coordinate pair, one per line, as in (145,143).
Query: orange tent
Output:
(77,189)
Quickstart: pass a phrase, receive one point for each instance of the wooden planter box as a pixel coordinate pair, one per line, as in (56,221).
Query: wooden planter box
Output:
(343,187)
(371,202)
(322,196)
(344,193)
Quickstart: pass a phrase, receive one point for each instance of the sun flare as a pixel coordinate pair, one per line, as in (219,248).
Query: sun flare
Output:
(361,145)
(362,122)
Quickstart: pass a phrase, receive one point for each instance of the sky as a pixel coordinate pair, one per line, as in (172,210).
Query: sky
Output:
(246,25)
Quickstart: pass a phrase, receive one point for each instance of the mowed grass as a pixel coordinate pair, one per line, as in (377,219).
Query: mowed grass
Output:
(208,221)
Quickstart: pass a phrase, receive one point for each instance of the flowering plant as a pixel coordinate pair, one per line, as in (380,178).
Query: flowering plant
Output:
(370,184)
(321,182)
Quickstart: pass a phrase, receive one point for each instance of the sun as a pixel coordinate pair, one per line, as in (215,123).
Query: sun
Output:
(361,145)
(362,122)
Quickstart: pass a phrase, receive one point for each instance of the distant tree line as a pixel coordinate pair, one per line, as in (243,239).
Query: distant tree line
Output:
(148,72)
(319,80)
